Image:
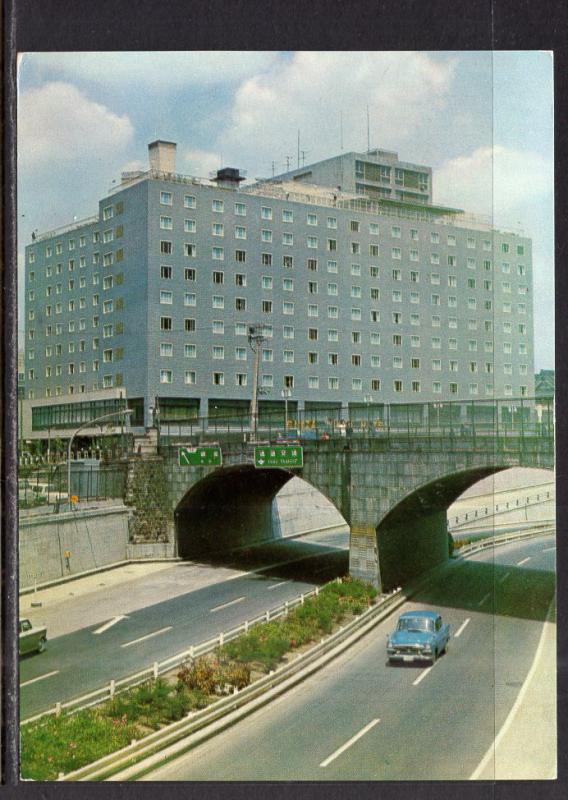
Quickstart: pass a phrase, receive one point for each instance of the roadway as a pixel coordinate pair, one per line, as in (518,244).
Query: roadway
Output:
(129,639)
(360,719)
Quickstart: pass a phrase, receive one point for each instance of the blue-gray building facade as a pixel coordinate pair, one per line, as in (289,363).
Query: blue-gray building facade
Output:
(360,299)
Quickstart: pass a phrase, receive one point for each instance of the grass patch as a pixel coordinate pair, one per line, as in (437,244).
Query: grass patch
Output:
(65,743)
(264,646)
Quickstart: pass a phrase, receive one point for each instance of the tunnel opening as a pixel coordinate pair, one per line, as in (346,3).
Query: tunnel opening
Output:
(413,537)
(272,519)
(230,508)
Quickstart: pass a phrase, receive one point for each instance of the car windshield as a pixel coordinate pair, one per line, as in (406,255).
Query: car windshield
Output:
(415,624)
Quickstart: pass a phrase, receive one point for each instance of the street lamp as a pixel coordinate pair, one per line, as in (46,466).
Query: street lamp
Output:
(286,394)
(80,428)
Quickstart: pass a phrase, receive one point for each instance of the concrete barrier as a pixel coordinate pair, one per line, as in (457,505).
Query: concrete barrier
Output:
(56,546)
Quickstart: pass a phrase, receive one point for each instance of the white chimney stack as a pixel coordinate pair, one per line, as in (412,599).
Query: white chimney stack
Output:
(162,156)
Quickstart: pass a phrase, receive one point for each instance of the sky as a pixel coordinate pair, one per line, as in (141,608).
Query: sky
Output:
(482,120)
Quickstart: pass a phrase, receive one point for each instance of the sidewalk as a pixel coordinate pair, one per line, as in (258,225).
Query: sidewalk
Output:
(526,746)
(96,598)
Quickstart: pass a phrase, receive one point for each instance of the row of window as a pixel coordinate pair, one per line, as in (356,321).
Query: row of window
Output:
(333,383)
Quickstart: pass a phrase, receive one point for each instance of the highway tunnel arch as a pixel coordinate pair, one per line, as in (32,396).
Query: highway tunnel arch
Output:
(412,536)
(230,508)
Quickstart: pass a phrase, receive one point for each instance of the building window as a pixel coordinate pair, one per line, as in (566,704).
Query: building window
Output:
(189,378)
(288,381)
(266,236)
(288,261)
(189,325)
(165,323)
(287,215)
(189,274)
(219,378)
(218,352)
(165,376)
(240,232)
(190,351)
(166,297)
(218,206)
(288,332)
(240,304)
(312,219)
(240,210)
(218,253)
(333,384)
(165,247)
(240,256)
(331,245)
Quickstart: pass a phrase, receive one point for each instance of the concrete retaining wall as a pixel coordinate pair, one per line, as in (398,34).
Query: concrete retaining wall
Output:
(92,539)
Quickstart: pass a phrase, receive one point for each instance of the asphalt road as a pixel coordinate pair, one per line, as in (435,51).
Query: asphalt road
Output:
(360,719)
(83,660)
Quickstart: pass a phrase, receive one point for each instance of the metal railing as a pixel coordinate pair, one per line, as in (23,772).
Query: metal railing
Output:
(502,508)
(47,485)
(156,669)
(483,424)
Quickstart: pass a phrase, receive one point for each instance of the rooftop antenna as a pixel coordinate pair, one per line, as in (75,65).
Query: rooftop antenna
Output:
(298,148)
(368,132)
(288,159)
(303,152)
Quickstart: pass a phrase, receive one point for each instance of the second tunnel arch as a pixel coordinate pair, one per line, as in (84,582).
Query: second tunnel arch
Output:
(412,536)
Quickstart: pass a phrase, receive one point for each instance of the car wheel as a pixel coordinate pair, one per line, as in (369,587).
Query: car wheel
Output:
(42,645)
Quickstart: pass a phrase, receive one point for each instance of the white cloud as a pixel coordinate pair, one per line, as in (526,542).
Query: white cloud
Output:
(493,180)
(309,91)
(58,124)
(161,70)
(200,162)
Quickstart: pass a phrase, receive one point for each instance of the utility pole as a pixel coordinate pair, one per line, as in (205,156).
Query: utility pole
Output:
(304,152)
(273,167)
(288,159)
(255,339)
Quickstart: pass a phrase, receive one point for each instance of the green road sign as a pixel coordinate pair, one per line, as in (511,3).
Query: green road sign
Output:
(200,457)
(287,455)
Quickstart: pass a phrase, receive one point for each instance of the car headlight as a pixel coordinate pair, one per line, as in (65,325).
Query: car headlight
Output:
(427,647)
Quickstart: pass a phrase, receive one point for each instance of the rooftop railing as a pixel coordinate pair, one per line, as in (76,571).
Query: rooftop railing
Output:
(67,228)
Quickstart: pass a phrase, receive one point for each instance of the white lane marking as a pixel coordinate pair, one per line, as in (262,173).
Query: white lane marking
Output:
(148,636)
(548,549)
(40,678)
(523,561)
(484,599)
(226,605)
(276,585)
(504,578)
(513,712)
(422,675)
(462,628)
(110,623)
(351,741)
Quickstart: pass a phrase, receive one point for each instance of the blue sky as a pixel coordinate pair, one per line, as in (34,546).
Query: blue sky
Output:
(482,120)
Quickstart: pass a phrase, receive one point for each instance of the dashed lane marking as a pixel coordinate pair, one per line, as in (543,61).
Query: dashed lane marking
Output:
(523,561)
(109,624)
(504,578)
(276,585)
(484,599)
(348,744)
(40,678)
(462,628)
(422,675)
(226,605)
(148,636)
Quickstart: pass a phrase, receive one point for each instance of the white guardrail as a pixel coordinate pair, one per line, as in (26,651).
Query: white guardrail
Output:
(158,668)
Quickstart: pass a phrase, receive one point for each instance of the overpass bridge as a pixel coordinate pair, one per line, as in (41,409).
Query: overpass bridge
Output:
(392,477)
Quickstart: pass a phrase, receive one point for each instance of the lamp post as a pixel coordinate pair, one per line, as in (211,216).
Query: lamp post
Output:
(80,428)
(286,394)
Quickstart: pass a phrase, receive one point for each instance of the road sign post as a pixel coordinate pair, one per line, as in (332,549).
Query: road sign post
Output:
(279,456)
(200,457)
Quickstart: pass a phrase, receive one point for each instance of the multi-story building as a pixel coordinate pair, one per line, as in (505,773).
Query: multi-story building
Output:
(363,292)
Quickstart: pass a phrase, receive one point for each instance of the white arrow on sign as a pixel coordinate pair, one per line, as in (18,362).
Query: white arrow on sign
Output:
(110,623)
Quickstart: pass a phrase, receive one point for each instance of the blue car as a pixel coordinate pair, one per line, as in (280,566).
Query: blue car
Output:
(418,636)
